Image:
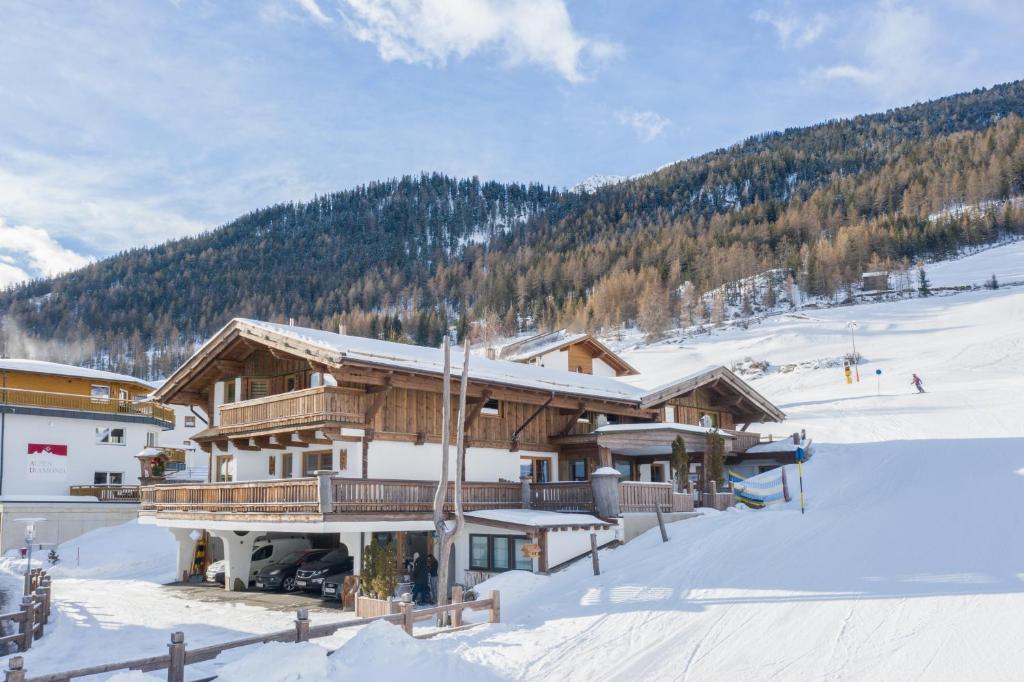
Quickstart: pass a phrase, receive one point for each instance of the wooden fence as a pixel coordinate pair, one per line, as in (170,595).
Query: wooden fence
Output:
(391,495)
(107,493)
(179,656)
(84,403)
(568,496)
(34,614)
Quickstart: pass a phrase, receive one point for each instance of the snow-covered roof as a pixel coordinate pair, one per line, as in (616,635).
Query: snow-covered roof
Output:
(535,518)
(538,345)
(337,349)
(874,274)
(56,368)
(431,360)
(785,445)
(660,426)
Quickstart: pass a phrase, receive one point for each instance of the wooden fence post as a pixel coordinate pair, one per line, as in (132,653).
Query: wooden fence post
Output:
(176,666)
(15,669)
(785,486)
(44,601)
(661,522)
(27,629)
(407,621)
(457,598)
(494,615)
(302,625)
(593,554)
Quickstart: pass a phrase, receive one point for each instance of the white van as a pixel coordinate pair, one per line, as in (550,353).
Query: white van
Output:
(265,550)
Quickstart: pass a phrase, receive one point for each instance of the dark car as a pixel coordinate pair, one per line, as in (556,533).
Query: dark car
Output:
(310,576)
(334,586)
(281,575)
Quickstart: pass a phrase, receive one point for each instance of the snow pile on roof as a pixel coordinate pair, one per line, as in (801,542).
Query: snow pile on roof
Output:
(607,471)
(783,445)
(660,426)
(56,368)
(535,518)
(431,360)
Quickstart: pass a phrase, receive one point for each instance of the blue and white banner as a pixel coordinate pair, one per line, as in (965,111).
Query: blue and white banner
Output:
(759,491)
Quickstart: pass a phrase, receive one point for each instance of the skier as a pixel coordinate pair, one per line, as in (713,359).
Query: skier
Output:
(918,384)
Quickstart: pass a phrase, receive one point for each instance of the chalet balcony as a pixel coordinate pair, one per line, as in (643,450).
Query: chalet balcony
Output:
(343,499)
(25,401)
(310,407)
(107,493)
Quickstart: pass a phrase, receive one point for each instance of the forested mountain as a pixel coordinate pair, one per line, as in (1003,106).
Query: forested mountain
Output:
(409,258)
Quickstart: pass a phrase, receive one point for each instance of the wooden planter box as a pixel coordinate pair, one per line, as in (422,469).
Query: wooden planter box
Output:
(368,607)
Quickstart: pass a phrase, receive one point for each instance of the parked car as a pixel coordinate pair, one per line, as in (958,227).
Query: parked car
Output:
(310,576)
(280,575)
(333,586)
(265,551)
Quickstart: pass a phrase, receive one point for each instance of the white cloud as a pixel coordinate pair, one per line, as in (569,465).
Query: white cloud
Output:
(433,31)
(312,8)
(648,125)
(901,53)
(27,252)
(794,31)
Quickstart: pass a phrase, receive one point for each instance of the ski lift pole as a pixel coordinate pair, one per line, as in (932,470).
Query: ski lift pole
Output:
(800,472)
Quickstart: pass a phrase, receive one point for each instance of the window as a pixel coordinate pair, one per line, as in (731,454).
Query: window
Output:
(151,438)
(122,394)
(259,388)
(99,393)
(229,391)
(625,468)
(107,478)
(291,383)
(190,422)
(670,413)
(578,469)
(537,469)
(710,417)
(316,461)
(498,553)
(263,553)
(491,408)
(108,436)
(286,465)
(272,465)
(657,473)
(225,468)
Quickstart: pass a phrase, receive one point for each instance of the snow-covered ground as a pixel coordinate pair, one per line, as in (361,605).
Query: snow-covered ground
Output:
(905,566)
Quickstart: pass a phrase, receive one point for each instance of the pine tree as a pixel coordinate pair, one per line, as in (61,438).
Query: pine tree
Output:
(923,286)
(714,458)
(680,462)
(992,283)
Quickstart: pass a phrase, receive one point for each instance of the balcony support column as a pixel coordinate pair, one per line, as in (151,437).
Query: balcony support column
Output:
(323,490)
(186,552)
(237,556)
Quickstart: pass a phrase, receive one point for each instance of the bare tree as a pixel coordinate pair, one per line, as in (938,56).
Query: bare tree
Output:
(448,535)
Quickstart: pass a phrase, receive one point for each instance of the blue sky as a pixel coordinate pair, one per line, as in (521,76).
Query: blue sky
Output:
(127,123)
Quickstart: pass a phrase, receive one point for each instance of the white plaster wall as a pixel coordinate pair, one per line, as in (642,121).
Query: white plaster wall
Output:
(568,544)
(602,369)
(85,456)
(63,521)
(391,459)
(557,359)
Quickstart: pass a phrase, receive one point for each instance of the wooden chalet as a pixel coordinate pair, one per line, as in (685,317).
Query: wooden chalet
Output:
(572,352)
(311,431)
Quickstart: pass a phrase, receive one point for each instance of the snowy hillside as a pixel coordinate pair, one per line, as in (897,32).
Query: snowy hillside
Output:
(905,565)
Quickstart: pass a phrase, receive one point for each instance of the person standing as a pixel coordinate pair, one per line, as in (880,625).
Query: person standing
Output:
(916,381)
(420,579)
(432,569)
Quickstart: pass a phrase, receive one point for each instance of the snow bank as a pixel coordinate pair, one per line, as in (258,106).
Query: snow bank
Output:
(276,662)
(517,589)
(129,551)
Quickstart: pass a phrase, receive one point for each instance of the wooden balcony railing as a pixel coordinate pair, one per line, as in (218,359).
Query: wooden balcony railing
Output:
(296,408)
(107,493)
(84,403)
(289,496)
(570,496)
(383,496)
(644,497)
(744,440)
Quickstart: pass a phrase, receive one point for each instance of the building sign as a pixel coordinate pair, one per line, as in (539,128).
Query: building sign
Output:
(47,462)
(531,551)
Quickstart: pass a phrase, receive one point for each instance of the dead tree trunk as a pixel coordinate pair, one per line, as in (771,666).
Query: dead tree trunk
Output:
(448,535)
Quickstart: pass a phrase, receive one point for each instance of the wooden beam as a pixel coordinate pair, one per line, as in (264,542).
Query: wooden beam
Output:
(380,394)
(571,421)
(268,443)
(243,444)
(515,434)
(231,367)
(310,438)
(475,407)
